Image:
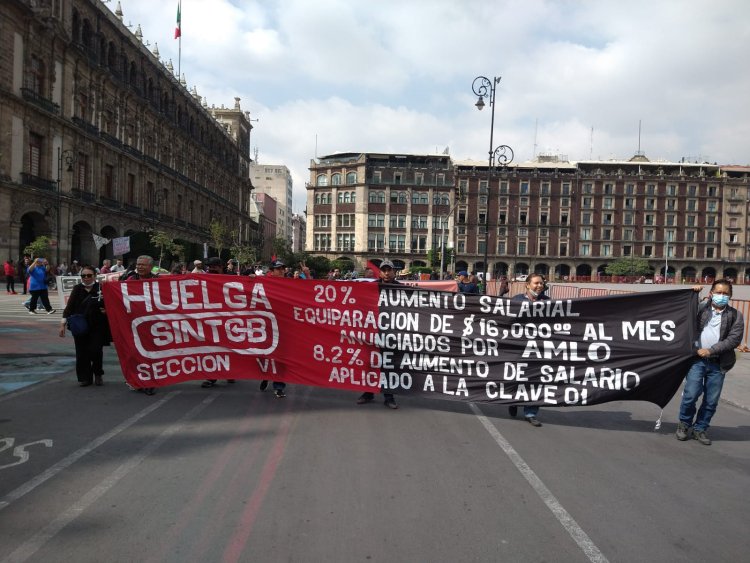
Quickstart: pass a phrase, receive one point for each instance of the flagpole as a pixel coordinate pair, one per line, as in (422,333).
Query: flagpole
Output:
(179,46)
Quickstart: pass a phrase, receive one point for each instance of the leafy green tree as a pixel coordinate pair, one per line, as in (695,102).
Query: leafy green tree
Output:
(165,244)
(319,265)
(219,235)
(282,249)
(40,247)
(343,264)
(244,254)
(629,267)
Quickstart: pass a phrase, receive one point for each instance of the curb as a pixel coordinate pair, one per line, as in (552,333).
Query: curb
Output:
(734,404)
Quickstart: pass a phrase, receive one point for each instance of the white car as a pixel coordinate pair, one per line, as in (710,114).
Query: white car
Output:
(522,277)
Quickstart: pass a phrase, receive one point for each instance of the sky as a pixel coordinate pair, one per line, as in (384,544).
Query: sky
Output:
(579,78)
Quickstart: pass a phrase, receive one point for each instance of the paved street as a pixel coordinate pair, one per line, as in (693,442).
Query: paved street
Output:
(233,474)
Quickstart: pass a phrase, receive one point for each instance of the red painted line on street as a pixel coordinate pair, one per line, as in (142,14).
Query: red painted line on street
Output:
(237,543)
(171,536)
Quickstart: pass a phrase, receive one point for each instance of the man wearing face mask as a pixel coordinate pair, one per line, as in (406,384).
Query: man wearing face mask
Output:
(720,327)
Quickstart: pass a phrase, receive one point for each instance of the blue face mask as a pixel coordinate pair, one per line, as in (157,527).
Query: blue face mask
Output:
(720,300)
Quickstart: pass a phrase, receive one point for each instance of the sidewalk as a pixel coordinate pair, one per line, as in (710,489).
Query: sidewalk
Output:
(24,337)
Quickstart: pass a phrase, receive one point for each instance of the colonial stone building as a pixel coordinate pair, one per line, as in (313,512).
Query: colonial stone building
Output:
(563,219)
(99,137)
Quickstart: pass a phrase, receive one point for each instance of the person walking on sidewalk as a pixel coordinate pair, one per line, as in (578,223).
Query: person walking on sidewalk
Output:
(38,285)
(10,277)
(720,327)
(86,300)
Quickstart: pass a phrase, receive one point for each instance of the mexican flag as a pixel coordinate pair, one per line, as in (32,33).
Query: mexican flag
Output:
(178,28)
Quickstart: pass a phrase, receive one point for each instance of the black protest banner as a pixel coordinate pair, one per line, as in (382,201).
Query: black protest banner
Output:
(549,353)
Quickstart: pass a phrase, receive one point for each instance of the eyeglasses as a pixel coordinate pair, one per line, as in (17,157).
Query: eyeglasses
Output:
(88,275)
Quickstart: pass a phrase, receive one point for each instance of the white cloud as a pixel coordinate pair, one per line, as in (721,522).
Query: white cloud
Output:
(396,76)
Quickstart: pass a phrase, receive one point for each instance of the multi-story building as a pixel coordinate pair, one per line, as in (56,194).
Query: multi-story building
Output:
(276,181)
(102,139)
(559,218)
(368,205)
(299,232)
(265,206)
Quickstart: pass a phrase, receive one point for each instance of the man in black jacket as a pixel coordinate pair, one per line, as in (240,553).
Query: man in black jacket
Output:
(720,327)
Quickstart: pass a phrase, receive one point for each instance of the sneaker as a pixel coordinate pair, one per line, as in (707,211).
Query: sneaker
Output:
(702,437)
(149,390)
(513,410)
(365,398)
(32,312)
(683,431)
(264,385)
(533,421)
(208,383)
(279,393)
(390,403)
(51,311)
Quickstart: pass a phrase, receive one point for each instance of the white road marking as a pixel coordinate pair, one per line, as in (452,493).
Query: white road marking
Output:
(38,540)
(562,515)
(66,462)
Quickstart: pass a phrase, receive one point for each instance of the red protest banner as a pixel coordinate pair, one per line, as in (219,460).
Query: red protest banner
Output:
(172,329)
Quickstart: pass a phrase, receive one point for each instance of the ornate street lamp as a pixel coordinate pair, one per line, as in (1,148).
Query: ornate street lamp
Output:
(68,158)
(501,156)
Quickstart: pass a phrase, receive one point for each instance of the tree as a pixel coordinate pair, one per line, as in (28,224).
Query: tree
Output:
(629,267)
(244,254)
(165,244)
(219,234)
(282,249)
(40,247)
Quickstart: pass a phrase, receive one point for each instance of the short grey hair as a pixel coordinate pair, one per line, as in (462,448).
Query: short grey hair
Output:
(146,257)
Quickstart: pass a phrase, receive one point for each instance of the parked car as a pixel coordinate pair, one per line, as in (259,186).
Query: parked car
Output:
(521,277)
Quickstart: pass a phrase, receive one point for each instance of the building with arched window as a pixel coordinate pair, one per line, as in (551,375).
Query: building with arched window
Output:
(103,140)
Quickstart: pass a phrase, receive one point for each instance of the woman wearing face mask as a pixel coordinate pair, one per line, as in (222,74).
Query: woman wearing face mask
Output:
(85,299)
(535,288)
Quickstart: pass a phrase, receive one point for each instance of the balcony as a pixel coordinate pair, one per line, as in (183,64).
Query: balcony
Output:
(83,195)
(110,139)
(31,96)
(109,202)
(38,182)
(85,125)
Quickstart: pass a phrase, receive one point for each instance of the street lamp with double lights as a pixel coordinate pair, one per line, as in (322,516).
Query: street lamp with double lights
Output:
(501,156)
(68,157)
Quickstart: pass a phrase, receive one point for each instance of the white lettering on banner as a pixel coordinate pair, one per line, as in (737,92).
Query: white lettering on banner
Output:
(510,308)
(175,367)
(421,299)
(602,377)
(242,332)
(566,351)
(192,294)
(648,330)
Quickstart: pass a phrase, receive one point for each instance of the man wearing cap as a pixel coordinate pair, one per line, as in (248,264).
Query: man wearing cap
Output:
(276,270)
(387,276)
(215,266)
(197,267)
(465,285)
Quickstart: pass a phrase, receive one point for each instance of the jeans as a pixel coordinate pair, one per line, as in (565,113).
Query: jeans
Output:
(529,412)
(704,378)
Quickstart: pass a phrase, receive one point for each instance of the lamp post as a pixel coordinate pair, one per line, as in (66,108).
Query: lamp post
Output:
(68,157)
(483,88)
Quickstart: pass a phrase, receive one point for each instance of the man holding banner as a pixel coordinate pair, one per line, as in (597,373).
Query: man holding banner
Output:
(721,328)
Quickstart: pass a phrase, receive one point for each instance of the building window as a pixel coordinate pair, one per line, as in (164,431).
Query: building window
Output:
(351,178)
(586,219)
(376,177)
(586,233)
(606,250)
(524,188)
(35,154)
(419,222)
(563,249)
(345,242)
(710,252)
(397,221)
(321,180)
(419,243)
(397,242)
(377,197)
(375,242)
(336,179)
(565,189)
(36,76)
(345,220)
(712,206)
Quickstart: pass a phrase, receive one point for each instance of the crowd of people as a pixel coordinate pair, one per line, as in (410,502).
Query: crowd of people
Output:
(719,325)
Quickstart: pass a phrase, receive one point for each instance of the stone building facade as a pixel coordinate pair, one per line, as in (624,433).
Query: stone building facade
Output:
(563,219)
(103,139)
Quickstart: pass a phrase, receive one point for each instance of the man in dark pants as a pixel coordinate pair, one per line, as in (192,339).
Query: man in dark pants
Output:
(276,270)
(535,288)
(720,327)
(214,267)
(143,270)
(387,276)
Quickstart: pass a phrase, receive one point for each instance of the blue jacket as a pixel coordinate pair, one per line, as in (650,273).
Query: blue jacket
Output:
(38,278)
